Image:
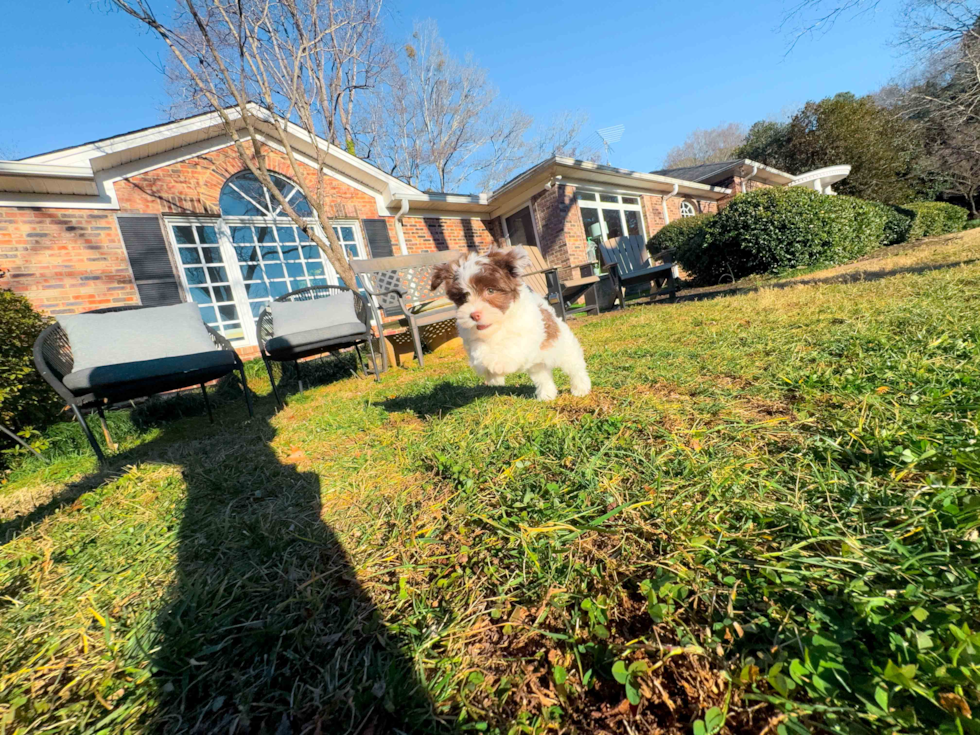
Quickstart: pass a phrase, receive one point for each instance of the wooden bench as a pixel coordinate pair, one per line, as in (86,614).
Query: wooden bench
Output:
(399,289)
(627,261)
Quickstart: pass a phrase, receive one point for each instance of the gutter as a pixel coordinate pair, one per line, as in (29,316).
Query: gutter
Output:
(403,210)
(755,170)
(664,202)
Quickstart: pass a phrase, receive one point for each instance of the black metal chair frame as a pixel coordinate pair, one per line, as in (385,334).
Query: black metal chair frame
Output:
(53,360)
(265,331)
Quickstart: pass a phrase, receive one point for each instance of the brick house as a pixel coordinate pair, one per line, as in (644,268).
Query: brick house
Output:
(169,213)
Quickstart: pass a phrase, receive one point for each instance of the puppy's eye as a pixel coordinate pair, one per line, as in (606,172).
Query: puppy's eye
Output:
(491,291)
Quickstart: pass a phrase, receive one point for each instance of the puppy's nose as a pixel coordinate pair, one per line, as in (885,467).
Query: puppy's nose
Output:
(476,316)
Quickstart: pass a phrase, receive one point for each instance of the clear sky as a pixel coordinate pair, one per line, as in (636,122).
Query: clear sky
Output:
(70,72)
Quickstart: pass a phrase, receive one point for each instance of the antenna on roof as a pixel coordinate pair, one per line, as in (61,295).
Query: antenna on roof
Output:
(612,134)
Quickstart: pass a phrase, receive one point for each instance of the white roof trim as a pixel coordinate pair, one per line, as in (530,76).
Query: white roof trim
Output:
(19,168)
(827,175)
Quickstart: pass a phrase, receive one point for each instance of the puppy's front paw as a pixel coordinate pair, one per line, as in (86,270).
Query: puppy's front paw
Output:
(581,386)
(546,392)
(495,380)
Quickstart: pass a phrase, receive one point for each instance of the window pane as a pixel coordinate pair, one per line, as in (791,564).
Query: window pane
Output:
(586,197)
(273,271)
(217,274)
(201,295)
(257,290)
(278,289)
(318,281)
(520,228)
(184,234)
(234,331)
(311,252)
(208,315)
(614,223)
(610,198)
(222,293)
(290,252)
(297,284)
(347,234)
(256,307)
(630,200)
(251,272)
(242,234)
(246,254)
(270,253)
(195,276)
(632,222)
(190,256)
(264,234)
(315,268)
(302,208)
(286,234)
(212,255)
(295,270)
(590,218)
(206,234)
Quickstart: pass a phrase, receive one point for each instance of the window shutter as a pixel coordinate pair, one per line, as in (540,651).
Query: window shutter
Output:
(149,258)
(376,232)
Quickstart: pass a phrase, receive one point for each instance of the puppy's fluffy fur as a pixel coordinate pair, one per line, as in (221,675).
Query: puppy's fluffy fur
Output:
(506,327)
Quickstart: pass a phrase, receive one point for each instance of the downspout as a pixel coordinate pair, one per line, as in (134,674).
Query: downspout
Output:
(398,226)
(664,202)
(755,170)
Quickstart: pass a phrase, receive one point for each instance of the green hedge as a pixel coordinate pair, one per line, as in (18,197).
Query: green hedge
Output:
(26,401)
(935,218)
(677,234)
(898,223)
(778,228)
(971,224)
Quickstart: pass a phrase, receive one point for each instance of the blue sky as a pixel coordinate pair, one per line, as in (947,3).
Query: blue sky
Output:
(72,73)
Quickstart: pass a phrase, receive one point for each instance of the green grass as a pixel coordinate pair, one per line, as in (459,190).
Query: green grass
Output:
(764,519)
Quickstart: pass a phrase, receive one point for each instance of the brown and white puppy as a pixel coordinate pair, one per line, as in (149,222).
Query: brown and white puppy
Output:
(508,328)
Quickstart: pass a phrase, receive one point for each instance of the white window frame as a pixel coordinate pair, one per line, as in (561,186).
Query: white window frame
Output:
(617,205)
(229,259)
(689,203)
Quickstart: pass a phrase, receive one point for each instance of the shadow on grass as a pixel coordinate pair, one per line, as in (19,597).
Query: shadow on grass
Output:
(265,628)
(447,397)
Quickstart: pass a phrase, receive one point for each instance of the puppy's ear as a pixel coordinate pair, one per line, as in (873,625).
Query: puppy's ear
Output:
(513,260)
(443,273)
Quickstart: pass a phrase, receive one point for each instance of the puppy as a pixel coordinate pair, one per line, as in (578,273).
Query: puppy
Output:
(508,328)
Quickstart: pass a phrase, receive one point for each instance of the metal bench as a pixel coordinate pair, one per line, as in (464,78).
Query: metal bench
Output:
(399,291)
(627,262)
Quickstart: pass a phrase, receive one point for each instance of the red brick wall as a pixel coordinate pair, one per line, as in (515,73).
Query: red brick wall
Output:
(561,233)
(426,234)
(65,260)
(653,210)
(735,184)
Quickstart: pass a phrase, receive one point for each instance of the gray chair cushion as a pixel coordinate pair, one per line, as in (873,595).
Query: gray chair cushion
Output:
(298,340)
(121,337)
(213,362)
(293,317)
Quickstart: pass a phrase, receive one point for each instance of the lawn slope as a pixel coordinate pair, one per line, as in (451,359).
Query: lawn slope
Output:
(763,520)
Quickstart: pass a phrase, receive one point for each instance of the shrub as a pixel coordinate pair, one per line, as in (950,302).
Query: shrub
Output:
(936,218)
(777,228)
(898,223)
(677,234)
(971,224)
(26,401)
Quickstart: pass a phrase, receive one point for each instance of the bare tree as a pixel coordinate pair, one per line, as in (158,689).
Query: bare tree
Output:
(563,137)
(707,146)
(438,123)
(280,74)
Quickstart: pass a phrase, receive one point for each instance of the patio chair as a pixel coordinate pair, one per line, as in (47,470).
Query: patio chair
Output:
(102,357)
(402,301)
(547,282)
(627,262)
(311,321)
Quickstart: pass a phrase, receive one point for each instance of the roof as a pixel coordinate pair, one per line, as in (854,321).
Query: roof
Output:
(712,173)
(84,175)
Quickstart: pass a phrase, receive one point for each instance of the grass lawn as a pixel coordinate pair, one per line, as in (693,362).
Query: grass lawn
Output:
(763,520)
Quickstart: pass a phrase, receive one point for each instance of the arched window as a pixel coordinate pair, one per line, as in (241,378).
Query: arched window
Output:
(243,196)
(688,209)
(232,266)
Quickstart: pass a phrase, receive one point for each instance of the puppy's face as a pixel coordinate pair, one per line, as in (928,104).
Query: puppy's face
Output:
(483,287)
